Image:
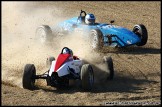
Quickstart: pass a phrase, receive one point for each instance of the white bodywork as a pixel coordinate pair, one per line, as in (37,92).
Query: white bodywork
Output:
(63,70)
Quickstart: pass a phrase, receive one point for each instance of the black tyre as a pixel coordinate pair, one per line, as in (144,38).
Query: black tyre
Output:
(141,31)
(28,79)
(49,61)
(110,67)
(96,39)
(87,77)
(44,34)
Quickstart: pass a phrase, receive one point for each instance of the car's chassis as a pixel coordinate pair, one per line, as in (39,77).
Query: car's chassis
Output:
(86,76)
(99,34)
(56,81)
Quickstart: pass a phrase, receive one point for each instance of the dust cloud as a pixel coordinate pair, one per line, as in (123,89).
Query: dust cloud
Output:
(19,21)
(19,47)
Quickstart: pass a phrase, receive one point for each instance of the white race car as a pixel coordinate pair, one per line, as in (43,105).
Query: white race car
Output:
(63,69)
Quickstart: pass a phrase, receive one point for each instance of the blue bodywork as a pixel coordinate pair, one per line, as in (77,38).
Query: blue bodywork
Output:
(120,36)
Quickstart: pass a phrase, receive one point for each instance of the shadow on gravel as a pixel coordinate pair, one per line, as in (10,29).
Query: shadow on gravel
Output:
(132,50)
(118,84)
(122,84)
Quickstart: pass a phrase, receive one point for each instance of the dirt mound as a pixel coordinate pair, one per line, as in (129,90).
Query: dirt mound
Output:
(137,69)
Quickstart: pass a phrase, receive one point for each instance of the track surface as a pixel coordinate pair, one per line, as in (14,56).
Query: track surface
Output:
(137,69)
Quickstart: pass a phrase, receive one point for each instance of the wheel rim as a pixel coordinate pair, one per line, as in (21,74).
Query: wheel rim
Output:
(94,41)
(41,34)
(136,31)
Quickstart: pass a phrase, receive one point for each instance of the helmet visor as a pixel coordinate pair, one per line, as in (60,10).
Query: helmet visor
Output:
(91,20)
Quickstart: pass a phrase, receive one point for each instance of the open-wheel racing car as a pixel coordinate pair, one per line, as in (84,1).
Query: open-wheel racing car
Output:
(63,69)
(99,34)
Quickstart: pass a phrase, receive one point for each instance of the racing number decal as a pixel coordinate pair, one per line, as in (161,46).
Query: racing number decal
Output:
(109,26)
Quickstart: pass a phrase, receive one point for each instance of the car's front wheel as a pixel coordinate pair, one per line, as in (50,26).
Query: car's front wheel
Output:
(44,34)
(29,74)
(96,39)
(141,31)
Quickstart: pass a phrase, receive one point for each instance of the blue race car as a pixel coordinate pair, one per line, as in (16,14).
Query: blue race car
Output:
(99,34)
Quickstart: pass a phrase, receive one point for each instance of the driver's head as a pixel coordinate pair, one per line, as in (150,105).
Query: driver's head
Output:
(90,19)
(67,51)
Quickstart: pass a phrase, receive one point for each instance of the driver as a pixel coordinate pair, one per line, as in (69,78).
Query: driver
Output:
(90,19)
(69,51)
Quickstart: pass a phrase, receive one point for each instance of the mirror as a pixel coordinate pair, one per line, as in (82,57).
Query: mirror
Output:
(112,21)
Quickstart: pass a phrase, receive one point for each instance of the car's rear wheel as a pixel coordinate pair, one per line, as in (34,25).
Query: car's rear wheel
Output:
(44,34)
(49,61)
(96,39)
(141,31)
(87,77)
(29,74)
(110,67)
